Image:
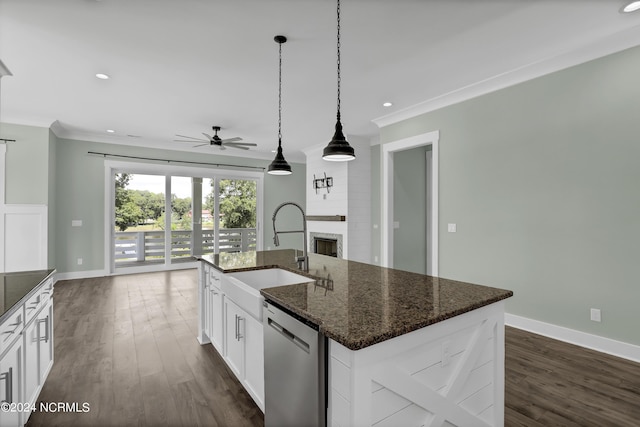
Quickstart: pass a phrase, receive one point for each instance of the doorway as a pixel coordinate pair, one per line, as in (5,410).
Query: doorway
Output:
(387,217)
(160,218)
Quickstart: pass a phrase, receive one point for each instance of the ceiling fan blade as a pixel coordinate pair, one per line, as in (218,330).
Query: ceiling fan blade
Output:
(201,145)
(188,140)
(208,136)
(190,137)
(235,144)
(237,138)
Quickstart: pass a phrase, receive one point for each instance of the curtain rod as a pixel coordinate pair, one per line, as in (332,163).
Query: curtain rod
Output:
(174,161)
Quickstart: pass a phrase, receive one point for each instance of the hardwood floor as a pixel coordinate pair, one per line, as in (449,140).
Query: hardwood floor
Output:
(126,345)
(552,383)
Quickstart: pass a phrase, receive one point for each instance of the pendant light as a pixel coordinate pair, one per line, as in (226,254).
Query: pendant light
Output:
(279,166)
(338,149)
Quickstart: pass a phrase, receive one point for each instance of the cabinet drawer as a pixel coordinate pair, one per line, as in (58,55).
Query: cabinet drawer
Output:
(215,278)
(32,305)
(11,327)
(47,291)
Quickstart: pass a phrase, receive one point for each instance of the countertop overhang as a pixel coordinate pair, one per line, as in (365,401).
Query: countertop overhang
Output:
(357,304)
(17,287)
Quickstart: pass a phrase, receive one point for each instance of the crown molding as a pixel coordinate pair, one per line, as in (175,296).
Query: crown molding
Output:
(585,52)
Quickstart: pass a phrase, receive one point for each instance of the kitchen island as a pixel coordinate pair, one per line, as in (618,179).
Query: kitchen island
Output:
(403,348)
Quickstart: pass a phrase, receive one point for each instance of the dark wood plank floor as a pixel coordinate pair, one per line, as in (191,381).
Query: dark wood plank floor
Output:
(126,345)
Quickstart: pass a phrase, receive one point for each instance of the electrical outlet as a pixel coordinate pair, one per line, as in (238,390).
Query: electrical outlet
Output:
(451,228)
(446,355)
(76,223)
(375,258)
(596,315)
(79,261)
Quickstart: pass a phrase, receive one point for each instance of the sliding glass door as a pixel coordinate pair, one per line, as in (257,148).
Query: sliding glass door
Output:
(161,221)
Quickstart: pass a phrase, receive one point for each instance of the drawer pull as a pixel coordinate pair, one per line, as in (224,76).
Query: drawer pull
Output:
(7,377)
(46,329)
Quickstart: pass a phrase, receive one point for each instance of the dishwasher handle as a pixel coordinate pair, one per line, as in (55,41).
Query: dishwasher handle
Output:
(291,337)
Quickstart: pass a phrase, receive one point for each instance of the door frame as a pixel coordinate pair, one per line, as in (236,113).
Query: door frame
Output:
(112,167)
(386,223)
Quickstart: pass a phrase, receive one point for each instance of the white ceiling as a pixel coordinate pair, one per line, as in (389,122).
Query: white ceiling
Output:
(181,66)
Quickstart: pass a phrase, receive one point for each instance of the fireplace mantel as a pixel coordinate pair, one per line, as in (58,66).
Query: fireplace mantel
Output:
(340,218)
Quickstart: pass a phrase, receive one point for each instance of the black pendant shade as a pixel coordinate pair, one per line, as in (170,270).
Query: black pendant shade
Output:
(338,149)
(279,166)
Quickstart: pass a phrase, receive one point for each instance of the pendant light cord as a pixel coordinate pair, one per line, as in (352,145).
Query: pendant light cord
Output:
(338,62)
(280,95)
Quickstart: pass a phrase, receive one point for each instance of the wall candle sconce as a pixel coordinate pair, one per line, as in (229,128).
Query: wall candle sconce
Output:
(326,182)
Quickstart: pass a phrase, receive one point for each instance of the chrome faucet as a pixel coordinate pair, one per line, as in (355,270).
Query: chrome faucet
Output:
(303,261)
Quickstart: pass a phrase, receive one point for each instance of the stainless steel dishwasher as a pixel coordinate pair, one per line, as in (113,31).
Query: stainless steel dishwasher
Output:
(294,370)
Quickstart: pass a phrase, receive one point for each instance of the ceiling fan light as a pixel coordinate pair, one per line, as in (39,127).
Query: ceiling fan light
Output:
(279,166)
(338,149)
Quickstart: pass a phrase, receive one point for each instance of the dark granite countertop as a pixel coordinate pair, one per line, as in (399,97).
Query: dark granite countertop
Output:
(17,286)
(359,304)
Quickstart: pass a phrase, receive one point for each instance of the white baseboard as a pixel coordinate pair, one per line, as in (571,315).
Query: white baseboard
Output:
(583,339)
(132,270)
(79,275)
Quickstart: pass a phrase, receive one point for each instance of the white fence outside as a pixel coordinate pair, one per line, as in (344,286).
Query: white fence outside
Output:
(141,246)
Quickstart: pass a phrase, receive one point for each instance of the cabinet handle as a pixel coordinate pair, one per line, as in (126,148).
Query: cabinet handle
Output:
(236,327)
(46,329)
(7,377)
(239,334)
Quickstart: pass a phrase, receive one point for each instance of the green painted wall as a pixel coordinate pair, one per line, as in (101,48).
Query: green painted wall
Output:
(542,181)
(80,195)
(52,226)
(27,164)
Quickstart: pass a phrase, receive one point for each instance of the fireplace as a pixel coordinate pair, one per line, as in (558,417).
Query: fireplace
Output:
(326,244)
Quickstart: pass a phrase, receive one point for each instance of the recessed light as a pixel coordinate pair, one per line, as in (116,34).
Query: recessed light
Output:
(631,7)
(111,131)
(102,76)
(273,151)
(387,104)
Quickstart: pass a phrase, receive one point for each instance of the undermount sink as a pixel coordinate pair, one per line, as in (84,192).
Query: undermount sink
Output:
(243,287)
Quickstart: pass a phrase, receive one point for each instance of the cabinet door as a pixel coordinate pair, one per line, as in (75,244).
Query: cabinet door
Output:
(216,318)
(254,360)
(31,364)
(207,309)
(10,375)
(45,341)
(233,337)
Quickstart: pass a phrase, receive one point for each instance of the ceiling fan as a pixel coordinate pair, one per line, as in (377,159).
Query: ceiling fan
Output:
(217,141)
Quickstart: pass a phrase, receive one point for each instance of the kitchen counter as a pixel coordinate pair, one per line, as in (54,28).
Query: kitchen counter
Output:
(359,305)
(16,287)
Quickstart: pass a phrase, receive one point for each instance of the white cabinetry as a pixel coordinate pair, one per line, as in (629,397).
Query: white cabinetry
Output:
(254,359)
(235,334)
(11,369)
(234,343)
(26,352)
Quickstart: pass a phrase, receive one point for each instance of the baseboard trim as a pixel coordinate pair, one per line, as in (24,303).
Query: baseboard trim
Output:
(79,275)
(583,339)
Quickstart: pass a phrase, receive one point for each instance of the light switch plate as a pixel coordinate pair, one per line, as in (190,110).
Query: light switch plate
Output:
(76,223)
(396,224)
(451,228)
(596,315)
